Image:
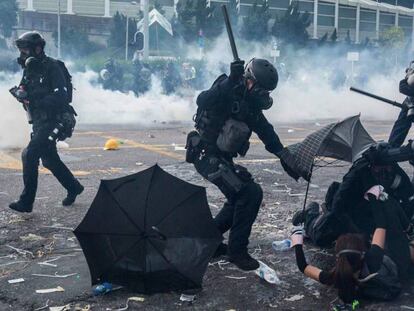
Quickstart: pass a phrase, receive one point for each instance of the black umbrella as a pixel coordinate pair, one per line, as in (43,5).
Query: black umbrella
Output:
(149,231)
(345,140)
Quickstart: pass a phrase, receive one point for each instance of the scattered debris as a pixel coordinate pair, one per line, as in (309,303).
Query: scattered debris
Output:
(56,275)
(50,290)
(295,298)
(187,298)
(219,263)
(317,124)
(48,262)
(151,136)
(291,130)
(272,171)
(266,273)
(135,299)
(13,262)
(235,277)
(44,307)
(139,163)
(15,281)
(58,226)
(31,237)
(21,251)
(179,148)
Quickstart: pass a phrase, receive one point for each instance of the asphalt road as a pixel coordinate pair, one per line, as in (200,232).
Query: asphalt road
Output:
(28,241)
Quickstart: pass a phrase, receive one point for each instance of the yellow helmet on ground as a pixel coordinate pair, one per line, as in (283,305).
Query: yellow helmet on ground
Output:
(111,144)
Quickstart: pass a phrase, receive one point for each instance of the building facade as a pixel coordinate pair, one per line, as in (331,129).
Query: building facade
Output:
(362,18)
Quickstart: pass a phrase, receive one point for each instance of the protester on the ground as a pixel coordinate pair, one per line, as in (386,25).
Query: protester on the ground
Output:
(360,271)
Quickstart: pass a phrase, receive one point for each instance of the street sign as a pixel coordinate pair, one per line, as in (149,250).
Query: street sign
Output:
(353,56)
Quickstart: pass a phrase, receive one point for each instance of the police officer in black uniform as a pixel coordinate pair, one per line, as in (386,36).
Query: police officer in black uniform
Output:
(46,101)
(406,117)
(226,116)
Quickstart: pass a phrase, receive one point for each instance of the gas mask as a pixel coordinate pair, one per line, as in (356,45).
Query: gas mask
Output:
(21,60)
(260,98)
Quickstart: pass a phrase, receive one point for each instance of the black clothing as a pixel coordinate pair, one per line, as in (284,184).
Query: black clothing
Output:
(223,101)
(48,98)
(403,124)
(373,260)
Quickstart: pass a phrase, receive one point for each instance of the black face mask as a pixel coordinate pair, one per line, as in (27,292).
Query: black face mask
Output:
(21,60)
(260,98)
(384,175)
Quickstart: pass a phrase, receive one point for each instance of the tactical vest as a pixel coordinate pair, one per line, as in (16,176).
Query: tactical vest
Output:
(223,127)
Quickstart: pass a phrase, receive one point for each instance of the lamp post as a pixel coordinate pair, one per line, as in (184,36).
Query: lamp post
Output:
(58,30)
(127,31)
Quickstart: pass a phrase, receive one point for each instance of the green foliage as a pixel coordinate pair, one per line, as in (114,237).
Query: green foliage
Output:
(255,24)
(117,32)
(158,7)
(75,43)
(291,27)
(194,16)
(8,17)
(393,38)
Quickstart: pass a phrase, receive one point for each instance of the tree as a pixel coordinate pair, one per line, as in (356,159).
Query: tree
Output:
(292,26)
(117,31)
(195,16)
(158,7)
(334,36)
(255,24)
(393,38)
(75,42)
(8,17)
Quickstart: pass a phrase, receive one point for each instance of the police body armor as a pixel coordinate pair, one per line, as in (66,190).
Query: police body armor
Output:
(223,130)
(36,86)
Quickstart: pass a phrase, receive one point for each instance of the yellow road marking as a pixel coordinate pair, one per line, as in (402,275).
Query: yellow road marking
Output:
(9,162)
(147,147)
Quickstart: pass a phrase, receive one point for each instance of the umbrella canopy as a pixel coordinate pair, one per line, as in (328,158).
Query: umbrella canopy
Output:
(149,231)
(345,140)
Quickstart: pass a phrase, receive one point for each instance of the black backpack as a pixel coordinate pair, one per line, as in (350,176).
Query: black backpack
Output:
(68,78)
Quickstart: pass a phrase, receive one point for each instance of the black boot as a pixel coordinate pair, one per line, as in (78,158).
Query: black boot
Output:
(220,251)
(300,216)
(244,261)
(21,207)
(71,197)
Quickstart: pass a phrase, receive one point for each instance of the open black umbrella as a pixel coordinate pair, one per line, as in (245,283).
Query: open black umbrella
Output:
(345,140)
(149,231)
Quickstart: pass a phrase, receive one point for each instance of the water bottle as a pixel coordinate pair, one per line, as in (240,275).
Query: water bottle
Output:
(102,289)
(281,246)
(266,273)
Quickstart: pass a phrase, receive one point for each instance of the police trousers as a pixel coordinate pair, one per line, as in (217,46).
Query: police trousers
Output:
(244,198)
(40,147)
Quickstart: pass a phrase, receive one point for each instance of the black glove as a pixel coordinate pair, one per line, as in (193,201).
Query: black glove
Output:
(288,170)
(378,211)
(236,70)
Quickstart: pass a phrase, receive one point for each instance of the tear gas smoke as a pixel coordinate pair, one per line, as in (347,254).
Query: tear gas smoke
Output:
(14,130)
(306,91)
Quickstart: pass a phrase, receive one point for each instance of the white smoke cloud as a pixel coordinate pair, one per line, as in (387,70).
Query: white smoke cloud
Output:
(306,96)
(14,129)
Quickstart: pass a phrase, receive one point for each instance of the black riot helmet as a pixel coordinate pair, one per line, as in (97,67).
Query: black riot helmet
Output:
(264,76)
(30,40)
(262,72)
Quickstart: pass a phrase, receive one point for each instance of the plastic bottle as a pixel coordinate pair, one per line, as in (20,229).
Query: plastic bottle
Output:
(102,289)
(266,273)
(281,246)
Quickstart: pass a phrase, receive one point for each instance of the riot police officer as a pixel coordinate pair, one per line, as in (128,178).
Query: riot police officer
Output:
(226,116)
(46,102)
